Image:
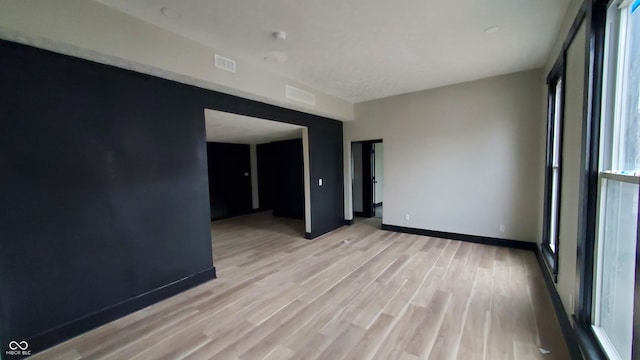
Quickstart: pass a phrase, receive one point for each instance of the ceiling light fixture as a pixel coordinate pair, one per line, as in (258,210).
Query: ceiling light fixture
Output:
(492,30)
(170,13)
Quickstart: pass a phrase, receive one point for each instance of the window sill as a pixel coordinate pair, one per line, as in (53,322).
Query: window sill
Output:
(550,258)
(589,344)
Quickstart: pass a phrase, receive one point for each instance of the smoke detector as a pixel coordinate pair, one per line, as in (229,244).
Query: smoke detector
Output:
(170,13)
(280,35)
(492,30)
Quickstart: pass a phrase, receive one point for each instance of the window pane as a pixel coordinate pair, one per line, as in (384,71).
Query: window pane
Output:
(553,221)
(557,113)
(617,253)
(612,34)
(555,116)
(629,145)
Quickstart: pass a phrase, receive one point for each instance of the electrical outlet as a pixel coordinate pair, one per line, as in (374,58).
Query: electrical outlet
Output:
(571,303)
(501,228)
(407,217)
(319,182)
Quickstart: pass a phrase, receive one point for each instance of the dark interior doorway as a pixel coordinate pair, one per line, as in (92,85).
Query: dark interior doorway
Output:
(281,178)
(229,179)
(367,177)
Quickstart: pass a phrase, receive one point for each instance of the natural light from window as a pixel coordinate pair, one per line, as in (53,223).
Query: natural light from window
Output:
(618,199)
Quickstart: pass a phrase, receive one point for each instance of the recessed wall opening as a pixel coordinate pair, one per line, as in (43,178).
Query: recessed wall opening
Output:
(258,180)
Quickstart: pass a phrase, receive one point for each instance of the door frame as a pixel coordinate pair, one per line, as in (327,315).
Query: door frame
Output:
(368,173)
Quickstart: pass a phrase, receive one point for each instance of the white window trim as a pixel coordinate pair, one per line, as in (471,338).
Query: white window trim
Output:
(625,178)
(606,343)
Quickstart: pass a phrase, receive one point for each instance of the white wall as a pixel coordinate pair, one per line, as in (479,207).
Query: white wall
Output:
(462,158)
(567,21)
(572,153)
(356,176)
(571,169)
(378,193)
(91,30)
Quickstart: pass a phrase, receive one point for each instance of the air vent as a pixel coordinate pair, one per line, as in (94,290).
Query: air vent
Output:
(294,93)
(225,63)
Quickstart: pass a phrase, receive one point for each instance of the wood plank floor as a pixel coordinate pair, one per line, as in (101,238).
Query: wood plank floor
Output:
(356,293)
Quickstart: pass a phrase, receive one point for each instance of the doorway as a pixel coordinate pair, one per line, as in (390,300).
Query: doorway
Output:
(230,192)
(377,163)
(257,165)
(367,174)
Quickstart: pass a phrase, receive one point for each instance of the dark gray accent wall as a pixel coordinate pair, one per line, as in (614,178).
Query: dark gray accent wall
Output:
(103,191)
(104,204)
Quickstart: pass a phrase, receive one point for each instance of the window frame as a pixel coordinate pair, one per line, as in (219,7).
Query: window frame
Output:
(555,121)
(595,92)
(613,100)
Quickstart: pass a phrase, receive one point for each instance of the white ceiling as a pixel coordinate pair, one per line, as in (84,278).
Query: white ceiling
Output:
(366,49)
(239,129)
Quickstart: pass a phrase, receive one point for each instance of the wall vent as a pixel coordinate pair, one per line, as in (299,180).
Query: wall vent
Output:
(294,93)
(225,63)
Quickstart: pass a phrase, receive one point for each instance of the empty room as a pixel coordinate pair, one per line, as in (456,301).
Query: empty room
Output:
(319,179)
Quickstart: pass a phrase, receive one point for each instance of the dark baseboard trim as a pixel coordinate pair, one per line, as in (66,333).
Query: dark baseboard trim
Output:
(74,328)
(348,221)
(516,244)
(317,234)
(568,332)
(377,205)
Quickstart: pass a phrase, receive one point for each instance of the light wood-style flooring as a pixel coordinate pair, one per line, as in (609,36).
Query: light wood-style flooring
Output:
(356,293)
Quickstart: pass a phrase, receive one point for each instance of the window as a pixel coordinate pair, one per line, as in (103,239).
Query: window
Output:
(553,171)
(619,170)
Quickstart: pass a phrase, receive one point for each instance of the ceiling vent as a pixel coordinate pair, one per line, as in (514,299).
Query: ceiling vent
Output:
(225,63)
(294,93)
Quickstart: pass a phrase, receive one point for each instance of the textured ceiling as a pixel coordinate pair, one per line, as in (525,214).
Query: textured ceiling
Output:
(366,49)
(239,129)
